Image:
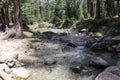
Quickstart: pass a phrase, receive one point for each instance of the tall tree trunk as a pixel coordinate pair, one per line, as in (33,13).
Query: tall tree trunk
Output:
(98,9)
(118,9)
(6,15)
(18,20)
(2,21)
(2,15)
(110,7)
(94,8)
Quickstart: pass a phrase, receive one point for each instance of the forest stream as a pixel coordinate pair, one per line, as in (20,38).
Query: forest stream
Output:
(62,55)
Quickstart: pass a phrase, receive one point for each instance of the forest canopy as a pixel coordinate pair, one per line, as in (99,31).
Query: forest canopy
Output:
(66,12)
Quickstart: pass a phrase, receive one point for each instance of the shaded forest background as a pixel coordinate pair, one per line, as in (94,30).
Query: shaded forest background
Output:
(96,15)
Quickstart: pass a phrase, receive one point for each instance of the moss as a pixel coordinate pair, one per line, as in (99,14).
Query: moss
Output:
(30,40)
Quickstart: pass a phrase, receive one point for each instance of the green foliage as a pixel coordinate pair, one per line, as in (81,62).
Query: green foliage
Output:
(63,13)
(59,11)
(27,14)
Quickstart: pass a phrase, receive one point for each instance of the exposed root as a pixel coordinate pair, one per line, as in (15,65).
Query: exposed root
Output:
(12,33)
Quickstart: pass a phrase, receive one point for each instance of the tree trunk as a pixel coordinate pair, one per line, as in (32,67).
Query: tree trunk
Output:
(98,9)
(18,21)
(94,8)
(118,9)
(6,15)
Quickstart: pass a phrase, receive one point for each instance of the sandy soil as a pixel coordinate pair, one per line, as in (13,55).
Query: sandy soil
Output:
(12,47)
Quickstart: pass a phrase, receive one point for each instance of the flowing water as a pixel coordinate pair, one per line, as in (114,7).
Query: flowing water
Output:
(60,71)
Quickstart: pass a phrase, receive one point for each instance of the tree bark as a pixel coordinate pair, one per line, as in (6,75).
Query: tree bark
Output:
(17,17)
(96,9)
(6,15)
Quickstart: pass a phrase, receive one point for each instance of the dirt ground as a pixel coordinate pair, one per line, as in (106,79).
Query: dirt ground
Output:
(12,47)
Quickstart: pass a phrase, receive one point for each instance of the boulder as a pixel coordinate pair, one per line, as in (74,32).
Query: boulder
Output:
(72,45)
(28,34)
(116,39)
(2,59)
(21,73)
(113,69)
(98,35)
(118,63)
(98,61)
(75,67)
(5,68)
(107,76)
(49,61)
(118,48)
(4,75)
(111,49)
(11,60)
(83,30)
(98,46)
(11,63)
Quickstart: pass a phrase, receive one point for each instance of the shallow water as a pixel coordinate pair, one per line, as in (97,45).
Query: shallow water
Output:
(61,70)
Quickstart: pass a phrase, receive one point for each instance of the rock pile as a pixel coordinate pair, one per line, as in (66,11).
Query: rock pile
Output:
(108,43)
(13,67)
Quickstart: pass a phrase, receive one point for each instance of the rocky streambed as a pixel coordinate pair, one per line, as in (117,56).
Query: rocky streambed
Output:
(67,55)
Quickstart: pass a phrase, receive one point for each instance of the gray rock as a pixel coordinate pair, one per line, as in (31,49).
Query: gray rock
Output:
(75,67)
(99,35)
(21,73)
(5,68)
(118,48)
(116,39)
(113,69)
(84,30)
(98,46)
(72,45)
(107,76)
(111,48)
(11,64)
(5,75)
(98,61)
(2,59)
(118,63)
(50,61)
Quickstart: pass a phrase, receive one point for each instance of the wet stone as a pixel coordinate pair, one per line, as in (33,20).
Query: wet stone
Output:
(118,48)
(107,76)
(75,67)
(116,39)
(49,61)
(98,46)
(72,45)
(113,69)
(98,61)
